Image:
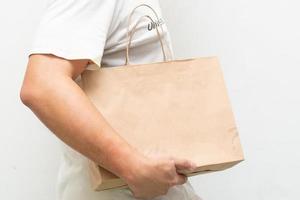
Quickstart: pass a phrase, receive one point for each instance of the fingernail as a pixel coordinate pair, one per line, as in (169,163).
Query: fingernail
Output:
(193,166)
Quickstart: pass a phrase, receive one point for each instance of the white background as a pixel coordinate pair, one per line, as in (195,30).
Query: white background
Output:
(258,42)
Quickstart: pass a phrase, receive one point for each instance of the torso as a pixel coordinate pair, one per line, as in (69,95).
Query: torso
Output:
(73,180)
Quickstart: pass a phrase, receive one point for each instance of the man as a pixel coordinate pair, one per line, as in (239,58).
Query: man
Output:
(78,35)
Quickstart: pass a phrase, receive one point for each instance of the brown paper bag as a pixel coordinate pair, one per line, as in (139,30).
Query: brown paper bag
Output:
(179,107)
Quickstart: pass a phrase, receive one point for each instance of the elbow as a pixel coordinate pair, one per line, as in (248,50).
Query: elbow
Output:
(26,95)
(29,94)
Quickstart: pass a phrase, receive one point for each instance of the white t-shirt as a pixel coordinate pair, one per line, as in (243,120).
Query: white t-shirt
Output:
(97,30)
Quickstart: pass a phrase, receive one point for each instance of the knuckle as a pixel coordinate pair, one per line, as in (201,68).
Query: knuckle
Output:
(136,195)
(171,163)
(172,182)
(160,163)
(183,179)
(167,167)
(170,168)
(168,162)
(164,192)
(170,175)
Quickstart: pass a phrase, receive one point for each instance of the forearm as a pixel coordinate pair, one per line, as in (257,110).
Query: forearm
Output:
(50,92)
(64,108)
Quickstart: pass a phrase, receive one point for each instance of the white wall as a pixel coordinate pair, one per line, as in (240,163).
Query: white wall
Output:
(258,42)
(29,153)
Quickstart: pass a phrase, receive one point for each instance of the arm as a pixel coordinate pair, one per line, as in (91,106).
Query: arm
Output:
(50,92)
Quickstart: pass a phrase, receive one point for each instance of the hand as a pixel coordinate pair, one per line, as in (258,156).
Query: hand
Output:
(154,174)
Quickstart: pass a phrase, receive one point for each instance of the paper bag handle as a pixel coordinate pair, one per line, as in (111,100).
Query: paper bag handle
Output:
(131,33)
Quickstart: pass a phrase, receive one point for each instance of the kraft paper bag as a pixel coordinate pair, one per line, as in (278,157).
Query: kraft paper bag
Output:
(178,107)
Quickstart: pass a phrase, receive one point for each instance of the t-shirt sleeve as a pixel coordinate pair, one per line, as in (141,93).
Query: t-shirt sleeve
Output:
(74,29)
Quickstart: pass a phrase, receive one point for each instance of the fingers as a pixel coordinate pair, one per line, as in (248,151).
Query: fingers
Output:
(184,164)
(180,179)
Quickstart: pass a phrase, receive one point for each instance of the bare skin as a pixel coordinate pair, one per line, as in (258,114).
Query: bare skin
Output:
(50,91)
